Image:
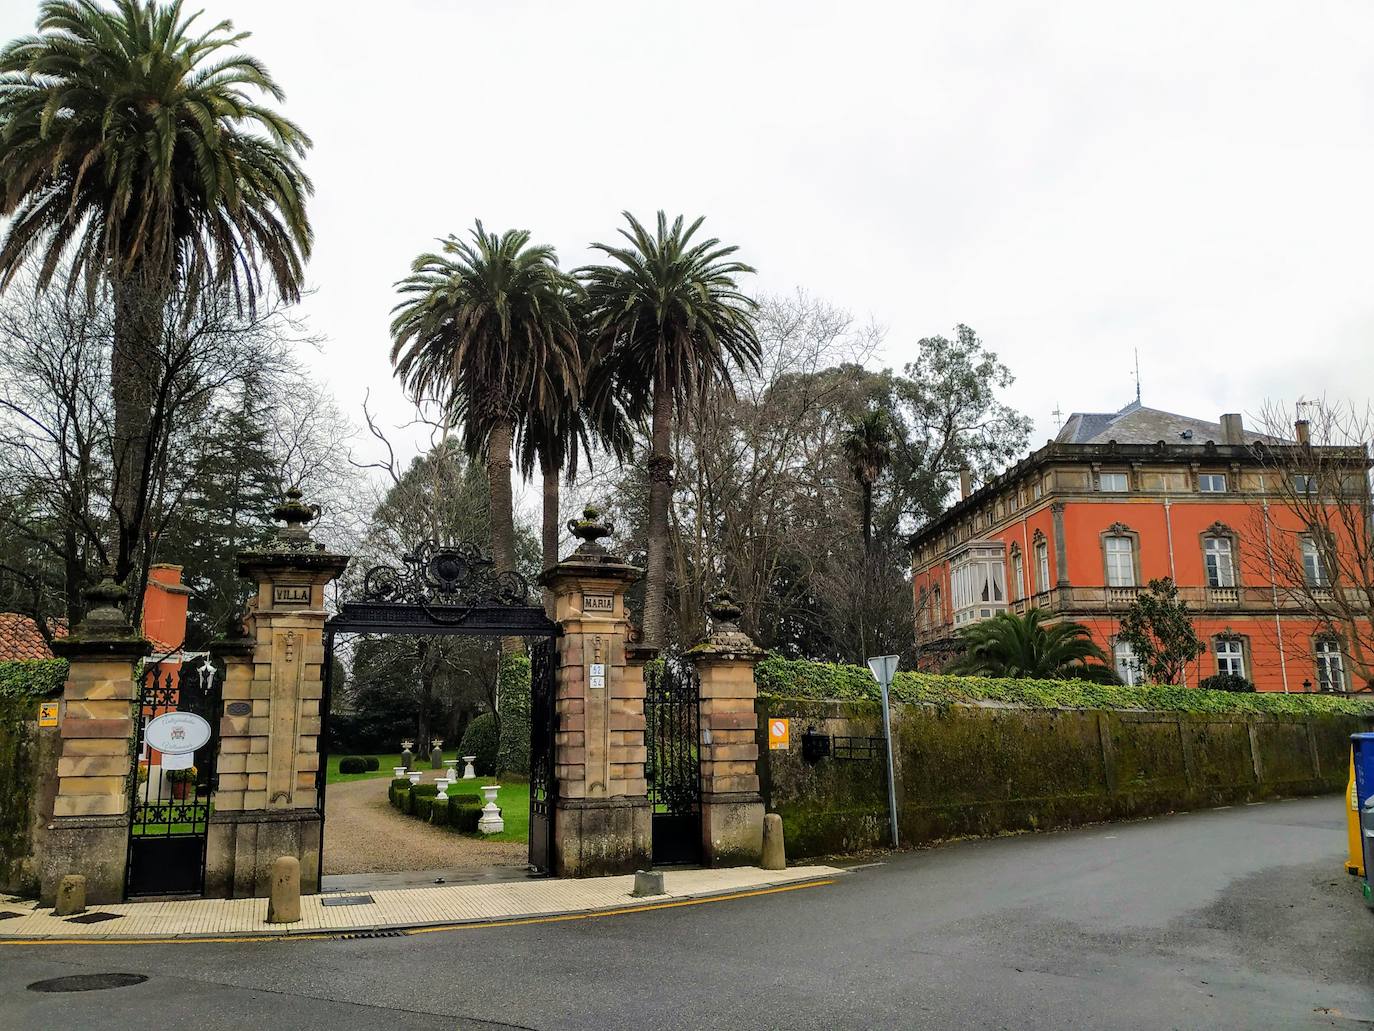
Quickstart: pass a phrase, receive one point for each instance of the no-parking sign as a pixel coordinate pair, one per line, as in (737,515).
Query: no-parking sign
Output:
(779,733)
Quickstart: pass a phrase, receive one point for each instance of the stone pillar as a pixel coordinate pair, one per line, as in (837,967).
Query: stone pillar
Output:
(731,806)
(265,802)
(601,808)
(89,830)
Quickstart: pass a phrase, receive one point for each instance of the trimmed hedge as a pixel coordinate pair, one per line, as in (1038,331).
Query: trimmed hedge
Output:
(480,739)
(373,763)
(513,704)
(353,764)
(802,678)
(456,814)
(32,678)
(394,789)
(460,811)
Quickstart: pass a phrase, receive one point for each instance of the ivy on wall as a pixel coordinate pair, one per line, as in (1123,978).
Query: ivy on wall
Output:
(802,678)
(32,678)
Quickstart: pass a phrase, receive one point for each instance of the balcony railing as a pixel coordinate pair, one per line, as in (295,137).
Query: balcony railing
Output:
(1223,595)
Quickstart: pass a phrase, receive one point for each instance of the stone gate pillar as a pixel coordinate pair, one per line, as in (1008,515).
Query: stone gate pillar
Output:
(89,831)
(731,806)
(601,810)
(265,804)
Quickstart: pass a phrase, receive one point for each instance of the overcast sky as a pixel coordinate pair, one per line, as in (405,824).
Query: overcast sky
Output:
(1073,180)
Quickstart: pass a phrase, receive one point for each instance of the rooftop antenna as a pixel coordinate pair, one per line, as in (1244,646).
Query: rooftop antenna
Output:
(1137,375)
(1058,417)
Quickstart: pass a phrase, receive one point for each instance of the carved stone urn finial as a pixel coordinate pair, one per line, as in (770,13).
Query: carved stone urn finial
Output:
(590,529)
(726,637)
(297,515)
(105,606)
(725,612)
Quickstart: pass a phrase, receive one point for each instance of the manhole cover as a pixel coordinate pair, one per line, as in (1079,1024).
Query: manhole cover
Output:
(348,900)
(87,982)
(93,918)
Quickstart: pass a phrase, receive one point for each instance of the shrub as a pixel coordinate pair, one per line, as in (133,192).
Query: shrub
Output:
(480,739)
(395,789)
(1226,682)
(424,805)
(32,678)
(513,694)
(464,797)
(801,678)
(373,763)
(186,776)
(464,817)
(352,764)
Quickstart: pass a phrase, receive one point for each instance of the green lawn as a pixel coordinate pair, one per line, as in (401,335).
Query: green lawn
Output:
(386,762)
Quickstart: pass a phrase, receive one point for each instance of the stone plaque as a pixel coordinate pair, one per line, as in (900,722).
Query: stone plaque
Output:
(290,594)
(598,603)
(239,709)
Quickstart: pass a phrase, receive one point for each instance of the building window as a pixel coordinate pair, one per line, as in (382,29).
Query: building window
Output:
(1314,564)
(1220,563)
(1115,482)
(1230,657)
(1036,491)
(1042,566)
(1212,483)
(1127,664)
(1330,666)
(1304,484)
(1120,556)
(1018,576)
(978,584)
(937,610)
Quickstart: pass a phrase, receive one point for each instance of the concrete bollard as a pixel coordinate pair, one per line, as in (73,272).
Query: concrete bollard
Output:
(648,882)
(284,903)
(71,895)
(774,854)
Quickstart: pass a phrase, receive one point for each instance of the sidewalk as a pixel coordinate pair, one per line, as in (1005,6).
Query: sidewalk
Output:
(338,913)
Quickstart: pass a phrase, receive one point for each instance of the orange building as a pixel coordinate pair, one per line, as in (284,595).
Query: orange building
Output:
(1118,499)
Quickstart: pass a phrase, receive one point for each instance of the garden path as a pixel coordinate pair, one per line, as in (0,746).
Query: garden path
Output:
(363,834)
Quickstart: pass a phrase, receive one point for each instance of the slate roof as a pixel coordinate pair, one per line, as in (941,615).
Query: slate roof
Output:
(1136,424)
(20,639)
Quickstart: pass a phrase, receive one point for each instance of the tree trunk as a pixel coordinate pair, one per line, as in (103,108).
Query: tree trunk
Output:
(138,301)
(867,489)
(660,497)
(549,533)
(502,505)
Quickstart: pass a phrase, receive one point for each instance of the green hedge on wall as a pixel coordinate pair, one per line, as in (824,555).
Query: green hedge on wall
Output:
(513,753)
(32,678)
(801,678)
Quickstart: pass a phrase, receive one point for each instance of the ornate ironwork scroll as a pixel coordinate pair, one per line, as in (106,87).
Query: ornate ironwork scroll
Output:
(447,580)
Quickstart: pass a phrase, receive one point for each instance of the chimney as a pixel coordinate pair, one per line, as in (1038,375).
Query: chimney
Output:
(965,482)
(1303,430)
(1232,429)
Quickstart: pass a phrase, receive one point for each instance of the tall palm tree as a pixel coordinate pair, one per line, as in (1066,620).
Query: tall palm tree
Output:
(1008,645)
(868,450)
(485,327)
(669,321)
(135,153)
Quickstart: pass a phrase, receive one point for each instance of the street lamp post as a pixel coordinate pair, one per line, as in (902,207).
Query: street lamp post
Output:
(883,668)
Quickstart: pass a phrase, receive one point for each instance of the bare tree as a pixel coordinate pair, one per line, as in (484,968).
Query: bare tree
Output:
(1315,524)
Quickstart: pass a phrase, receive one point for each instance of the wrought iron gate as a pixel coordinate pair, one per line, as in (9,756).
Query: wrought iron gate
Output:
(169,808)
(673,763)
(543,726)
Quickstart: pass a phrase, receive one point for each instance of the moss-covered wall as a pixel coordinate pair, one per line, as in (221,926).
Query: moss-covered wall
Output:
(28,781)
(980,770)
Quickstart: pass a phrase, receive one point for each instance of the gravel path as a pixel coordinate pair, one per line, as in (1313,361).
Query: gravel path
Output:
(363,834)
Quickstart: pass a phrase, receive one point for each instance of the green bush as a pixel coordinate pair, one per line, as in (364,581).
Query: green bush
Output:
(373,763)
(352,764)
(1226,682)
(32,678)
(464,817)
(463,797)
(801,678)
(395,789)
(424,805)
(480,739)
(513,694)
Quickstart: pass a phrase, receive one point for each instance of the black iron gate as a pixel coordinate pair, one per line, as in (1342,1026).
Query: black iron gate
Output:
(543,726)
(673,763)
(169,800)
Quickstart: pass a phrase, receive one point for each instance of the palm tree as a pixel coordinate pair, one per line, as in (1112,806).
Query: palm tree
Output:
(1008,645)
(485,328)
(868,450)
(669,322)
(135,154)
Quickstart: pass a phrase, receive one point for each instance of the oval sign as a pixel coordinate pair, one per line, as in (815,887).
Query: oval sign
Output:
(176,732)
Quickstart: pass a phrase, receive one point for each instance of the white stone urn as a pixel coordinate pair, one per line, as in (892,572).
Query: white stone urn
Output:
(468,772)
(414,776)
(490,821)
(452,765)
(400,771)
(443,789)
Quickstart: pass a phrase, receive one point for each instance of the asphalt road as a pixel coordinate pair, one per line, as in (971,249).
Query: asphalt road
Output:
(1237,918)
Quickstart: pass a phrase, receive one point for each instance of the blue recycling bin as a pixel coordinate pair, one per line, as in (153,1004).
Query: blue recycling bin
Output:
(1362,754)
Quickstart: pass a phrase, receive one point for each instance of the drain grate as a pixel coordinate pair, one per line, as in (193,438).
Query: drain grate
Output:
(10,914)
(93,918)
(348,900)
(87,982)
(354,935)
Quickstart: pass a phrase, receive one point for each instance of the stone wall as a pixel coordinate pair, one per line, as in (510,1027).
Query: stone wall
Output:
(974,771)
(27,755)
